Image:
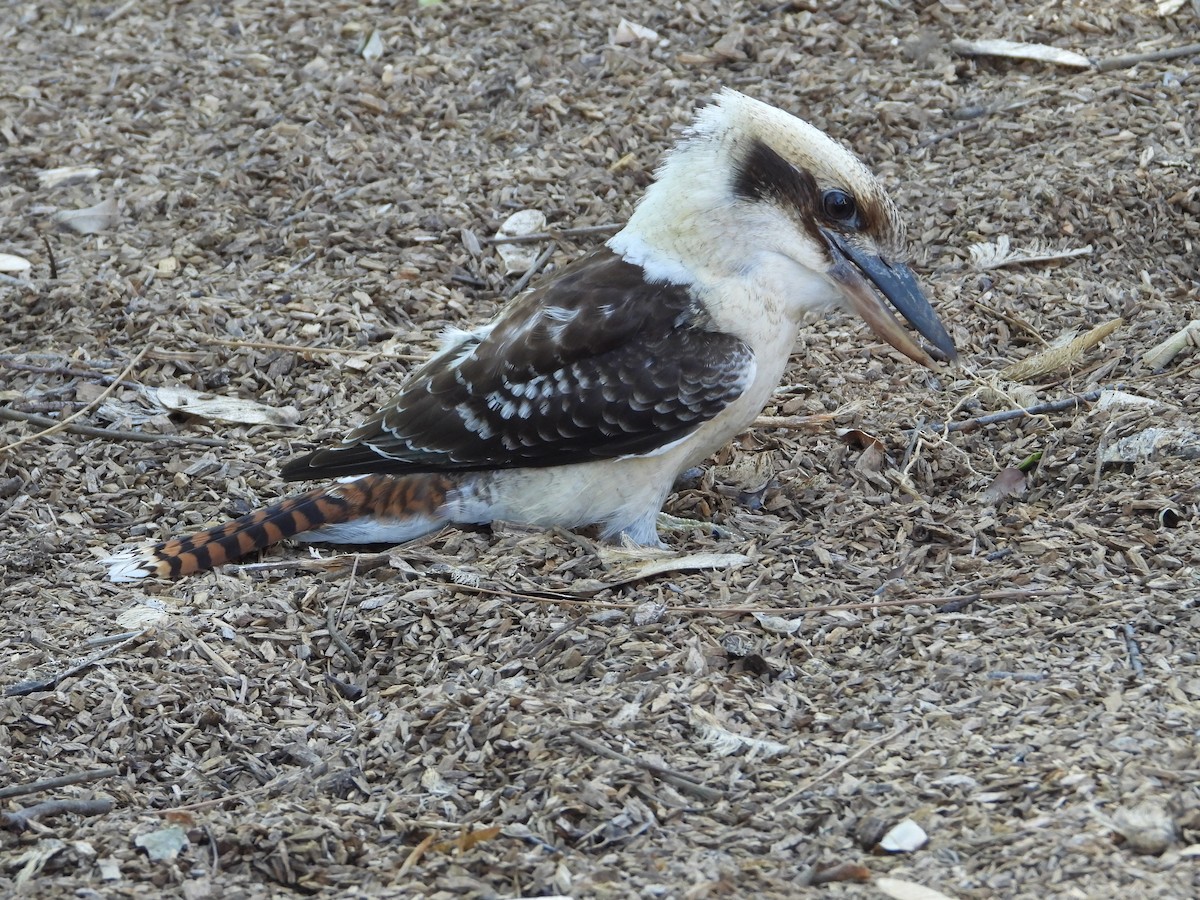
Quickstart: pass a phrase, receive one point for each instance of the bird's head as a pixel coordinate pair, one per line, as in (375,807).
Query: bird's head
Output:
(755,193)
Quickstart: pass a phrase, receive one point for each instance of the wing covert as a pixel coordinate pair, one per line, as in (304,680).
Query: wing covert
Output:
(595,363)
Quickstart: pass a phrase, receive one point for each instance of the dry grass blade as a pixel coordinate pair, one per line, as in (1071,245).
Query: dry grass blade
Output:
(65,423)
(1058,357)
(1020,50)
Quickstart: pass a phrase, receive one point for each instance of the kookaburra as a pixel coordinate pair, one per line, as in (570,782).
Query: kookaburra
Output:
(584,399)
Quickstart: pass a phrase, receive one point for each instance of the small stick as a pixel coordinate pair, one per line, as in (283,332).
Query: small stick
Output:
(1037,410)
(11,362)
(833,770)
(49,784)
(31,687)
(50,256)
(533,651)
(553,235)
(1135,653)
(792,421)
(1132,59)
(678,779)
(295,348)
(564,599)
(111,434)
(1002,675)
(19,821)
(266,276)
(65,423)
(331,616)
(523,281)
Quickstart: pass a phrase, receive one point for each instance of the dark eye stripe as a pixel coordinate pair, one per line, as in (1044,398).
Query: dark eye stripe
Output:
(765,175)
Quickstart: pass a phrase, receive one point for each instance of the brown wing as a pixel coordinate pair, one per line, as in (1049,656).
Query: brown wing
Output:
(595,363)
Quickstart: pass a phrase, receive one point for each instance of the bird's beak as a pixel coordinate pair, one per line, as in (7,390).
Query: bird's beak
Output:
(898,284)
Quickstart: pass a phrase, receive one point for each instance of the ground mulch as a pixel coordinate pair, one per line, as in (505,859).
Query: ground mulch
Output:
(989,629)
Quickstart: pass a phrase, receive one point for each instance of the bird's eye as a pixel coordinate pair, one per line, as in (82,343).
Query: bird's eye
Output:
(840,206)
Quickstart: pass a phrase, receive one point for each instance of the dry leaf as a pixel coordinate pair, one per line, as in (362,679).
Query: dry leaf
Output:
(220,409)
(33,860)
(149,612)
(628,565)
(779,624)
(1019,50)
(52,178)
(164,844)
(725,743)
(1154,443)
(1059,356)
(1121,399)
(1147,828)
(904,837)
(631,33)
(10,263)
(517,258)
(373,47)
(1009,483)
(100,217)
(899,889)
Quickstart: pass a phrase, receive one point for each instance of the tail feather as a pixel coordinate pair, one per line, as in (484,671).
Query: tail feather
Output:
(373,496)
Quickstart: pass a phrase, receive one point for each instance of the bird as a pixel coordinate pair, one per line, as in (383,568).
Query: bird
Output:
(581,402)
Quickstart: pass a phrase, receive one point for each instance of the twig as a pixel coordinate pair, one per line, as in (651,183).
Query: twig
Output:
(1003,675)
(266,276)
(565,599)
(19,820)
(64,423)
(331,616)
(11,362)
(415,855)
(534,268)
(1036,410)
(111,434)
(31,687)
(50,256)
(678,779)
(810,783)
(1135,653)
(1132,59)
(296,348)
(212,656)
(792,421)
(533,651)
(553,235)
(49,784)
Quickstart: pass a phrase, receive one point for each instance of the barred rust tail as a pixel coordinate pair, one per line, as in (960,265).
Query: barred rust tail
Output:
(371,497)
